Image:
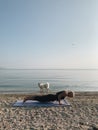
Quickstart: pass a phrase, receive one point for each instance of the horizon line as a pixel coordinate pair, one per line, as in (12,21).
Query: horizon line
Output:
(5,68)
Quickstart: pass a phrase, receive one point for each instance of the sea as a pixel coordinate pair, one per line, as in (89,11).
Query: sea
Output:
(26,80)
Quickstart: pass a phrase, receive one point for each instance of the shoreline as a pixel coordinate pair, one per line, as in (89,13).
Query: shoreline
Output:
(81,115)
(85,93)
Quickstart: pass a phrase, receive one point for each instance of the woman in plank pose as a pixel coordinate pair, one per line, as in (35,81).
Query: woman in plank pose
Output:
(51,97)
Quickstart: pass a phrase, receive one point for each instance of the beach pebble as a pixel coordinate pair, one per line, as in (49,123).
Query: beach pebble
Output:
(78,117)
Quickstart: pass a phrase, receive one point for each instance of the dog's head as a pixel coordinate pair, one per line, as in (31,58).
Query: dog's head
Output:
(40,86)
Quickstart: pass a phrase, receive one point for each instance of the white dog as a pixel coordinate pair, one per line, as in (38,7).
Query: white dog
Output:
(44,87)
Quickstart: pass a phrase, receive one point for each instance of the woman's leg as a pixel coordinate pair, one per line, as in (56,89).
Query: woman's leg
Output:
(28,98)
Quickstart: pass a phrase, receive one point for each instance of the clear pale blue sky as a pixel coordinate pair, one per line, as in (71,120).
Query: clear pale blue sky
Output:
(49,33)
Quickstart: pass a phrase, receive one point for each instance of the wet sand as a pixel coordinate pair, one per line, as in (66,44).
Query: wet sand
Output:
(81,115)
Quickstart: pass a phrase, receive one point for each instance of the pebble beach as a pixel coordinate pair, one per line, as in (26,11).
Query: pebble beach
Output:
(81,115)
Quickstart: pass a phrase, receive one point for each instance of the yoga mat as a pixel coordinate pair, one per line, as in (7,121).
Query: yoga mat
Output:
(31,103)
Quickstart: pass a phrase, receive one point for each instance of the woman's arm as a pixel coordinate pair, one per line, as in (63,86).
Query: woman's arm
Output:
(61,96)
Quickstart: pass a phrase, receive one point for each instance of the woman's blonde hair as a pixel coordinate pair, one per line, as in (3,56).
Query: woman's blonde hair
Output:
(71,94)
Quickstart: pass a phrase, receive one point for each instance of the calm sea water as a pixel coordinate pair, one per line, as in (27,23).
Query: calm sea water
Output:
(24,81)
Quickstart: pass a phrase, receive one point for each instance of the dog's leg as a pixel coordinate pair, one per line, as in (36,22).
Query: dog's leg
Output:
(40,89)
(48,90)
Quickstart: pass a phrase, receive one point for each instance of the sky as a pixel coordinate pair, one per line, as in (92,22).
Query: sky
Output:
(49,34)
